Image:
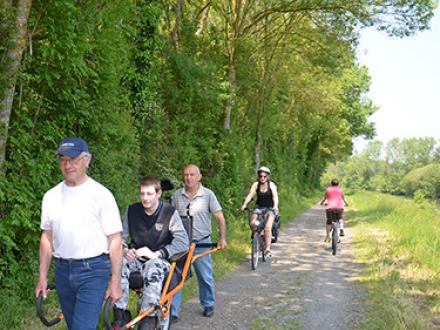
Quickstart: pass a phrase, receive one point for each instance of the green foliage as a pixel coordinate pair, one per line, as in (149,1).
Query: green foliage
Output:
(409,165)
(6,19)
(69,85)
(425,180)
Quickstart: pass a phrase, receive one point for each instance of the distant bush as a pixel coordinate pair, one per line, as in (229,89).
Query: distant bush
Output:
(424,179)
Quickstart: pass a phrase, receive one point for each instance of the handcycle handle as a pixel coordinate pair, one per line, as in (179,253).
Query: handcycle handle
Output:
(213,249)
(107,307)
(203,245)
(178,256)
(40,313)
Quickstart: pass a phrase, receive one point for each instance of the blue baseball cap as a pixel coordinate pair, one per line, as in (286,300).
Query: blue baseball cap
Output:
(72,147)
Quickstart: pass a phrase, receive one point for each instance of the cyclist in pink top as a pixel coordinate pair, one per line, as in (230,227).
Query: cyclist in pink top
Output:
(334,202)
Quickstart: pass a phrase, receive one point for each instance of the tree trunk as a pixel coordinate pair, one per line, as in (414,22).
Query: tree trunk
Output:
(13,57)
(261,104)
(175,33)
(258,143)
(232,76)
(263,92)
(203,18)
(232,46)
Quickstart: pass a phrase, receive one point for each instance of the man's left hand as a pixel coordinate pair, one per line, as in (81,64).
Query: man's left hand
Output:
(222,244)
(114,291)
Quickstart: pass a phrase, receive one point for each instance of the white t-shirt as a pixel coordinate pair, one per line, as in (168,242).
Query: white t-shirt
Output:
(80,219)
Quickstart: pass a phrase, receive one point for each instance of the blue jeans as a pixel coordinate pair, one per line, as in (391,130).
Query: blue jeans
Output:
(81,286)
(205,278)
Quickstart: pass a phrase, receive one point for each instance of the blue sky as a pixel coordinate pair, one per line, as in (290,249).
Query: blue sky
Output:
(405,85)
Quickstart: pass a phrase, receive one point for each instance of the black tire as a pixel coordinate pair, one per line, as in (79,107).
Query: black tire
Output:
(335,238)
(276,228)
(167,326)
(262,247)
(148,323)
(255,253)
(275,232)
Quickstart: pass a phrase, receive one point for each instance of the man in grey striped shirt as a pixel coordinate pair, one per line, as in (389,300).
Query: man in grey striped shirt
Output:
(201,204)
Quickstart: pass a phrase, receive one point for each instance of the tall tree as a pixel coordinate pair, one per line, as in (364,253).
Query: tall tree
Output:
(11,68)
(241,18)
(176,30)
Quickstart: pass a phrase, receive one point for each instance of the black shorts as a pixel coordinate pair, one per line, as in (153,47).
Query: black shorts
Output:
(333,215)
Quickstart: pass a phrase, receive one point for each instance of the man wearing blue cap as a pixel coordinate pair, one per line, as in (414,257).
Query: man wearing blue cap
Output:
(82,230)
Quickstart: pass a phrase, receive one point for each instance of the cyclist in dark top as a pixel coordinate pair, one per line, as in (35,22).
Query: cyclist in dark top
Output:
(266,204)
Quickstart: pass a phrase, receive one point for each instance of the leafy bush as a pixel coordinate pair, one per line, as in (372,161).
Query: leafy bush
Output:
(424,179)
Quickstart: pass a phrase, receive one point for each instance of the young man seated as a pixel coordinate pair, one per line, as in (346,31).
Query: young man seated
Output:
(155,232)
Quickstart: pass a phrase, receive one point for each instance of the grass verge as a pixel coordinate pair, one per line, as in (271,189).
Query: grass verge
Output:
(399,242)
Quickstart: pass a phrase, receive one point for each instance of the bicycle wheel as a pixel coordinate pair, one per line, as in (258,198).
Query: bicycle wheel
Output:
(255,250)
(164,323)
(262,247)
(335,238)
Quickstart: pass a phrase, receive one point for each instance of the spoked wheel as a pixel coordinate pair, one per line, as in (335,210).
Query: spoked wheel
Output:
(335,238)
(262,246)
(164,324)
(150,323)
(255,250)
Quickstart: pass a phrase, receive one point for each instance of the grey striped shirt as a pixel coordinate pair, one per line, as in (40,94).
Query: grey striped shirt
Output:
(201,206)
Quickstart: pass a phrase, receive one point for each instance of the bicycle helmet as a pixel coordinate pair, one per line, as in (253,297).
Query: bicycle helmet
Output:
(263,169)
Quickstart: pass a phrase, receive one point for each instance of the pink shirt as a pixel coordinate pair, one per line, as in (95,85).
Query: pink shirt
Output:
(334,198)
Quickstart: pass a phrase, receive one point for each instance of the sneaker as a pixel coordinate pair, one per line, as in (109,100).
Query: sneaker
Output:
(208,312)
(267,254)
(341,232)
(327,240)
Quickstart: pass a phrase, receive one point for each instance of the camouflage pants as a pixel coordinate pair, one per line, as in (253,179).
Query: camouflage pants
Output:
(153,272)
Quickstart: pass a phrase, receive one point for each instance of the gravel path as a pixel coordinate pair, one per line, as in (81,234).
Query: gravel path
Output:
(302,286)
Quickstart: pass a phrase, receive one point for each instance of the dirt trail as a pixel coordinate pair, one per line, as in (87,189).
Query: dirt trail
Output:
(302,286)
